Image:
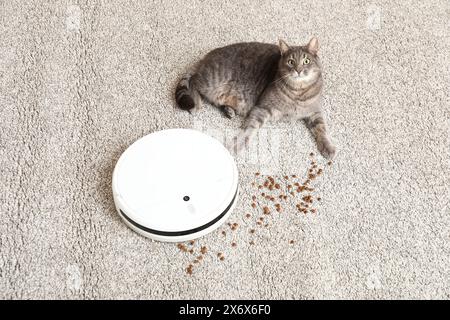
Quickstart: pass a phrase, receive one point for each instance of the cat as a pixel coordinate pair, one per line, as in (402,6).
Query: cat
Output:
(262,82)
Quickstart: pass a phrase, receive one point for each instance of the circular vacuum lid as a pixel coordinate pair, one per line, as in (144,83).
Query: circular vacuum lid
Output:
(175,185)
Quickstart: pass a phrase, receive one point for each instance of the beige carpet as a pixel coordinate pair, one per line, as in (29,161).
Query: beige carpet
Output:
(80,81)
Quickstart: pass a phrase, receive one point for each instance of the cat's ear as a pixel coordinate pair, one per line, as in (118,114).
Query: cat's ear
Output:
(313,45)
(283,46)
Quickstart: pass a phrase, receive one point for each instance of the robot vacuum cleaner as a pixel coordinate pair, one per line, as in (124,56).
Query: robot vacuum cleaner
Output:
(175,185)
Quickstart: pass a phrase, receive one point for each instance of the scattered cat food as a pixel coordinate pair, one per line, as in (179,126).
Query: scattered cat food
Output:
(266,210)
(191,251)
(233,244)
(203,250)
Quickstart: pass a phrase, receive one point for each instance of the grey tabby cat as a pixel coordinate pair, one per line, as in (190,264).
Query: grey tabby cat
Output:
(262,82)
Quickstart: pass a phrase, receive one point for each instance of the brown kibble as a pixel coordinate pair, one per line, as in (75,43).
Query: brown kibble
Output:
(233,244)
(289,186)
(278,209)
(253,184)
(191,242)
(285,197)
(219,254)
(259,223)
(203,250)
(260,187)
(266,225)
(189,269)
(191,251)
(329,163)
(222,258)
(257,174)
(253,205)
(313,210)
(253,198)
(263,194)
(252,242)
(314,166)
(277,186)
(311,154)
(281,196)
(286,177)
(319,172)
(252,231)
(248,215)
(292,193)
(291,241)
(297,184)
(319,198)
(196,261)
(266,210)
(199,258)
(294,176)
(224,233)
(261,218)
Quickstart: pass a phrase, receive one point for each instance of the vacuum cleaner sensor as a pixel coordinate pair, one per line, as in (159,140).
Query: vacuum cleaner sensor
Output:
(175,185)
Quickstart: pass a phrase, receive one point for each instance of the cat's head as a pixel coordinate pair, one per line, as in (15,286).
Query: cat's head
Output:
(300,64)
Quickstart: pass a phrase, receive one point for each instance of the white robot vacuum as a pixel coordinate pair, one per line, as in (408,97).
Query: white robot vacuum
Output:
(175,185)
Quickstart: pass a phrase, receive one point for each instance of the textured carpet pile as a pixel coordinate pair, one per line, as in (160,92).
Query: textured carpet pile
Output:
(80,81)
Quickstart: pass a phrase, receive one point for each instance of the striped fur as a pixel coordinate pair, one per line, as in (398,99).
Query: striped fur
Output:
(262,82)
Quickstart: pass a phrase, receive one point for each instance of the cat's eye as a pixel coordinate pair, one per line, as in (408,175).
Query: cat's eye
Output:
(291,62)
(306,61)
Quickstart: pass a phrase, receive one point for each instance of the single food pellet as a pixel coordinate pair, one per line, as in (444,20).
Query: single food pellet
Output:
(253,205)
(234,244)
(291,241)
(311,154)
(248,215)
(257,174)
(266,225)
(294,176)
(252,231)
(260,187)
(224,233)
(329,163)
(191,242)
(263,194)
(313,210)
(252,242)
(191,251)
(258,223)
(286,177)
(319,198)
(222,258)
(253,198)
(196,261)
(277,186)
(266,210)
(189,269)
(203,250)
(219,254)
(261,219)
(200,258)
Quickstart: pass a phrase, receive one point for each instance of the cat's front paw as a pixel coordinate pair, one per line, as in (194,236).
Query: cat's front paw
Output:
(327,149)
(239,143)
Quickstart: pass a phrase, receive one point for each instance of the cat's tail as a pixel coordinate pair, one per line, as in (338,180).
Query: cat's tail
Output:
(185,95)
